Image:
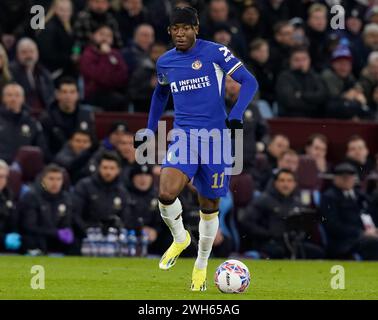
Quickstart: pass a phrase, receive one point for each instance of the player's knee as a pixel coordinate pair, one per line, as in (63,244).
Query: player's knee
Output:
(167,196)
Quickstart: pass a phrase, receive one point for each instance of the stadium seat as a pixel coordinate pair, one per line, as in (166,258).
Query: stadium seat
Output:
(307,173)
(15,182)
(30,160)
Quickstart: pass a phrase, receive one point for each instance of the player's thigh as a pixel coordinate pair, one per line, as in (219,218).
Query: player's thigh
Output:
(172,182)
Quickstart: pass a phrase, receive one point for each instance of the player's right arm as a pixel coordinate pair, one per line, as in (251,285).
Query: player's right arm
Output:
(158,102)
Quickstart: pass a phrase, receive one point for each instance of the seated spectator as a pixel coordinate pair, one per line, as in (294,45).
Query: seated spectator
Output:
(32,76)
(265,225)
(46,214)
(218,12)
(75,155)
(299,35)
(96,14)
(142,214)
(110,143)
(17,127)
(104,72)
(346,100)
(223,35)
(261,67)
(5,75)
(126,151)
(137,52)
(300,91)
(369,79)
(354,22)
(65,115)
(288,160)
(278,144)
(316,147)
(374,104)
(274,11)
(131,14)
(357,154)
(252,23)
(255,127)
(317,26)
(101,197)
(55,42)
(281,45)
(370,44)
(10,239)
(143,80)
(348,223)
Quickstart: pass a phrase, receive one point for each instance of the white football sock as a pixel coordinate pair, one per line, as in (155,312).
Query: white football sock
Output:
(172,217)
(208,228)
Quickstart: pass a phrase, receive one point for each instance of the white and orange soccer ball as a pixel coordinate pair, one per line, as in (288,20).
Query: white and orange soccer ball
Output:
(232,276)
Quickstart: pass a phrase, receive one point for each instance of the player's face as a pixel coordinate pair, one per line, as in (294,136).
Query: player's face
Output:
(183,35)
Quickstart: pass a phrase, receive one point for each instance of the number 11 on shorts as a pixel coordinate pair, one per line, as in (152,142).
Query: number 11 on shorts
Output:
(216,177)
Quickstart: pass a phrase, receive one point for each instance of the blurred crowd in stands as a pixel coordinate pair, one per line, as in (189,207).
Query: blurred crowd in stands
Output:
(57,178)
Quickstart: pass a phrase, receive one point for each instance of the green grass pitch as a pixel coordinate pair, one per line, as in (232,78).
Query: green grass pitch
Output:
(137,278)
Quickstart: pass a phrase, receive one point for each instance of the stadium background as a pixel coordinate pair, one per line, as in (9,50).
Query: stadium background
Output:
(337,97)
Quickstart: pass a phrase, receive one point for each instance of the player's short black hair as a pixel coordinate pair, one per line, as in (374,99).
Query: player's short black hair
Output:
(186,15)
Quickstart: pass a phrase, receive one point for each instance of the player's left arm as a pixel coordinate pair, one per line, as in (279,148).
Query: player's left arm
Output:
(233,67)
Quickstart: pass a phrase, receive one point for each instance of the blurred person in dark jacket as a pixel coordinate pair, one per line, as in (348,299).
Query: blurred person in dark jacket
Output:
(143,212)
(65,115)
(46,214)
(101,196)
(281,45)
(265,225)
(75,155)
(346,99)
(357,154)
(143,80)
(56,40)
(300,91)
(252,23)
(317,29)
(349,224)
(96,13)
(104,72)
(137,51)
(32,76)
(369,79)
(5,75)
(17,127)
(317,147)
(131,14)
(260,65)
(126,151)
(10,239)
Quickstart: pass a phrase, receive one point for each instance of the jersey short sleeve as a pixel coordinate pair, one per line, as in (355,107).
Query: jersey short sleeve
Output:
(225,59)
(161,74)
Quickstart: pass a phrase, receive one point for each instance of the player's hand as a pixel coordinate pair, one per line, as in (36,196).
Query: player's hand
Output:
(233,125)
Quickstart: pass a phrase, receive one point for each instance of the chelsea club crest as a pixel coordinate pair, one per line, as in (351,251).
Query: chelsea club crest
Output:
(196,65)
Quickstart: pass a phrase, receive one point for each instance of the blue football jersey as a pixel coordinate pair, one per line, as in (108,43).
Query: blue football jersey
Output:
(197,82)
